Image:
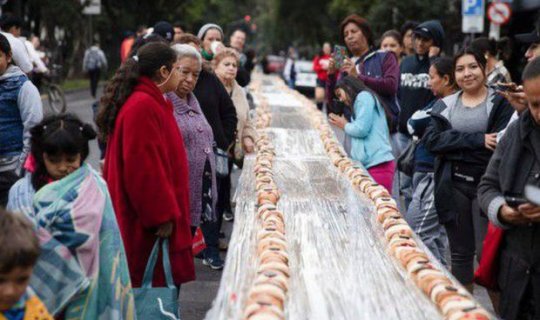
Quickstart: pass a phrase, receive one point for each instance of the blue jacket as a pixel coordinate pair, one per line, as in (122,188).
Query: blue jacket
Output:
(368,129)
(20,110)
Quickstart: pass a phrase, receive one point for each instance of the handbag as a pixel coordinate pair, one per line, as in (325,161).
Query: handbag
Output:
(488,269)
(157,303)
(222,163)
(405,161)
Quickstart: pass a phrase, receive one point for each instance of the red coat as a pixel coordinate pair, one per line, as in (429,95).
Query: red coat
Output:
(146,169)
(318,68)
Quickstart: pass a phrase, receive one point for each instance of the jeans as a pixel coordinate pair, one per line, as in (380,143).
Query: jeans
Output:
(402,185)
(466,233)
(422,216)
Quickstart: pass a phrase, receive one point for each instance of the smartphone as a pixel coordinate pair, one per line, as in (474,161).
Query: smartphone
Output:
(511,87)
(515,202)
(339,55)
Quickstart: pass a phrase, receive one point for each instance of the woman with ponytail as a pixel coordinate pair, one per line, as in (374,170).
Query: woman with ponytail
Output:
(146,166)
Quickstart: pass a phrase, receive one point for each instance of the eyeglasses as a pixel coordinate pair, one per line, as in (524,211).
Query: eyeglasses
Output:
(186,73)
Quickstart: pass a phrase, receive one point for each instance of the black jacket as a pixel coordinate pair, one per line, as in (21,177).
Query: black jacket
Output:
(217,107)
(454,149)
(515,163)
(414,92)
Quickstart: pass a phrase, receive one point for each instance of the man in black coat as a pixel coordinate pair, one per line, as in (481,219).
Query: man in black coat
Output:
(516,163)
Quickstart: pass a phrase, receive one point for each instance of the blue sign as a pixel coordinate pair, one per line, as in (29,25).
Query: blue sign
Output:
(472,7)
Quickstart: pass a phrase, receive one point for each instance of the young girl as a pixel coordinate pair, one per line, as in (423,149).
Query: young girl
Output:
(391,41)
(368,129)
(83,260)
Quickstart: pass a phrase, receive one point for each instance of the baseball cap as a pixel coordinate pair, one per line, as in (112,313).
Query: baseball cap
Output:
(164,29)
(528,38)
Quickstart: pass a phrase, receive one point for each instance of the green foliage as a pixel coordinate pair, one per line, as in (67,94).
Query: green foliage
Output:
(280,23)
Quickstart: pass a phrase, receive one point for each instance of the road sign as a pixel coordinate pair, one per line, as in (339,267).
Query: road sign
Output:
(472,12)
(499,13)
(472,7)
(93,7)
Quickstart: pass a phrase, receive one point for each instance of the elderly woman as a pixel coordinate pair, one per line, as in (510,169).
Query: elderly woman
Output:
(197,135)
(225,65)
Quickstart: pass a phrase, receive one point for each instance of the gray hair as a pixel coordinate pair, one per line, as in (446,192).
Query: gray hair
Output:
(185,50)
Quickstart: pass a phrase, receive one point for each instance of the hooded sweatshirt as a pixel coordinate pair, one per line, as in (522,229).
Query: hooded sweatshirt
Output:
(414,93)
(20,110)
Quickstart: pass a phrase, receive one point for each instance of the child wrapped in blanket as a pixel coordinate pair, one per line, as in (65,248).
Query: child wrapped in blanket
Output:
(82,272)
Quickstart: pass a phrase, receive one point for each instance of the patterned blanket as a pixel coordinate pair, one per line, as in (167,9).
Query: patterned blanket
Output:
(84,265)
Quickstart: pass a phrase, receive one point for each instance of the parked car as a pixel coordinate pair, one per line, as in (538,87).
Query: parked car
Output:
(273,64)
(306,78)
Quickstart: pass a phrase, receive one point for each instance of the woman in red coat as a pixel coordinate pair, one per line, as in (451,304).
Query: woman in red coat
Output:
(146,166)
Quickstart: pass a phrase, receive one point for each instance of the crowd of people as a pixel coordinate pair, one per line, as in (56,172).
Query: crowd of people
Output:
(451,137)
(172,122)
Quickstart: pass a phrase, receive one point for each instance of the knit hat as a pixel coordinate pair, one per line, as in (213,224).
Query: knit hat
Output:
(431,29)
(164,29)
(208,26)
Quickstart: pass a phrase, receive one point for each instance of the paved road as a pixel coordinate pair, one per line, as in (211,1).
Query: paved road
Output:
(195,297)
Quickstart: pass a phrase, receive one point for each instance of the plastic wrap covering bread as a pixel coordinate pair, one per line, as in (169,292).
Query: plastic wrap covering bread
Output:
(350,254)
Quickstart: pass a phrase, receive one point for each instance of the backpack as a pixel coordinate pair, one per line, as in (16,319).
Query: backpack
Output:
(93,59)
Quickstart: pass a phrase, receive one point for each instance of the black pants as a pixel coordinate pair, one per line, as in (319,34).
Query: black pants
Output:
(7,180)
(224,195)
(466,233)
(94,80)
(211,229)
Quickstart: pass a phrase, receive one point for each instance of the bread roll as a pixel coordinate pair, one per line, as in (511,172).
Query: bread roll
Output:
(255,310)
(400,229)
(274,266)
(476,313)
(276,278)
(392,222)
(457,303)
(269,243)
(387,213)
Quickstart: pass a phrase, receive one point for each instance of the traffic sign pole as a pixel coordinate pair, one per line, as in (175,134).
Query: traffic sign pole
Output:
(494,31)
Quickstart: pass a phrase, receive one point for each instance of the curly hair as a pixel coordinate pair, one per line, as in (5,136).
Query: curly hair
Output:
(149,59)
(225,53)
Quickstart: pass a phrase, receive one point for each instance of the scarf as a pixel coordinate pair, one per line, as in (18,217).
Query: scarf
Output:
(207,55)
